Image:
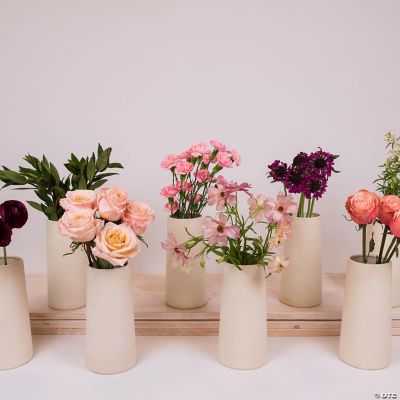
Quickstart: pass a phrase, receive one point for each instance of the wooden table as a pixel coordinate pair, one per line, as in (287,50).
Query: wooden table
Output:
(154,318)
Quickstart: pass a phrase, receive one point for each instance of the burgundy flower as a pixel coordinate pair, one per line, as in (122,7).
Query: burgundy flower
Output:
(322,162)
(278,171)
(302,160)
(315,186)
(14,213)
(5,233)
(294,180)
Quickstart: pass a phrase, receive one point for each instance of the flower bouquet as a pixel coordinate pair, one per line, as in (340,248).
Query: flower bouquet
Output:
(194,174)
(248,246)
(109,227)
(15,333)
(308,175)
(367,311)
(66,275)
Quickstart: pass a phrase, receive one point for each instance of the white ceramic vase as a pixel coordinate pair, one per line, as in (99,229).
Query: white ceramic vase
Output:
(365,336)
(377,230)
(110,324)
(15,329)
(301,281)
(185,290)
(243,318)
(66,274)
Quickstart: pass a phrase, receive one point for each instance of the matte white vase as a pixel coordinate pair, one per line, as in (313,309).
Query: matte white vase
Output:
(66,274)
(377,230)
(110,324)
(185,290)
(15,329)
(243,318)
(365,336)
(301,281)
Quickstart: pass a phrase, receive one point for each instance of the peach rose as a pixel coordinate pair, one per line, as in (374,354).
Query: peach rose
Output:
(387,207)
(363,207)
(111,203)
(138,216)
(116,244)
(78,199)
(79,224)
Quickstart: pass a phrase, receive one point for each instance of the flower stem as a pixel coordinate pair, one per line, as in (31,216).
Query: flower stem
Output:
(5,255)
(389,250)
(308,208)
(385,231)
(364,243)
(395,248)
(300,212)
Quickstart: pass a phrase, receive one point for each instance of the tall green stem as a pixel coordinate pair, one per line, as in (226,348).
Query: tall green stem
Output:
(389,250)
(385,231)
(5,255)
(364,243)
(300,212)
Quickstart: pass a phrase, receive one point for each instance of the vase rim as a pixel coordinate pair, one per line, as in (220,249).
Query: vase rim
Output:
(183,219)
(108,269)
(314,215)
(357,259)
(244,266)
(14,260)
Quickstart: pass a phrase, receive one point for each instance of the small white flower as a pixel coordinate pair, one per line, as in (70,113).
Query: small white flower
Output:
(390,138)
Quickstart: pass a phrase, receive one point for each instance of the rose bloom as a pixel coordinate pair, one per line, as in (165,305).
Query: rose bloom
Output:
(111,203)
(169,191)
(387,207)
(183,167)
(363,207)
(203,175)
(79,199)
(116,244)
(80,225)
(138,216)
(170,161)
(218,145)
(224,159)
(395,224)
(198,149)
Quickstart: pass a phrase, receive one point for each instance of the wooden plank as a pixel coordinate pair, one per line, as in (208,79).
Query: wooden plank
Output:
(153,317)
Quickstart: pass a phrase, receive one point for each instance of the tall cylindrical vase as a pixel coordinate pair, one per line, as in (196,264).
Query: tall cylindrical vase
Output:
(301,282)
(377,230)
(365,336)
(15,328)
(243,318)
(185,289)
(66,274)
(110,324)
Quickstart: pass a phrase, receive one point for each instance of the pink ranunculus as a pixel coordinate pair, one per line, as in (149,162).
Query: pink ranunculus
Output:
(224,159)
(176,251)
(79,224)
(169,191)
(138,216)
(183,168)
(221,197)
(395,224)
(116,244)
(217,232)
(111,203)
(218,145)
(236,157)
(277,264)
(363,207)
(170,161)
(198,149)
(203,175)
(183,186)
(387,207)
(277,209)
(171,206)
(257,207)
(78,199)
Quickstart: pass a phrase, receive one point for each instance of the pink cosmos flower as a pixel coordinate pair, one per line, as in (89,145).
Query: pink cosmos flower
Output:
(224,159)
(236,157)
(217,232)
(170,161)
(284,228)
(171,206)
(183,167)
(278,264)
(169,191)
(233,186)
(221,197)
(277,209)
(177,252)
(257,207)
(183,185)
(218,145)
(198,149)
(203,176)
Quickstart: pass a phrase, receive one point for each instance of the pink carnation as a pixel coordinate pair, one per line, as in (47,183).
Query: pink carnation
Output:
(198,149)
(203,175)
(171,206)
(183,168)
(184,186)
(169,191)
(170,161)
(236,157)
(224,159)
(218,145)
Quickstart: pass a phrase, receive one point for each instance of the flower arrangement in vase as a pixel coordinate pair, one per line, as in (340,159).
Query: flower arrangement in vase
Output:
(109,227)
(308,176)
(15,333)
(66,276)
(367,315)
(194,174)
(248,246)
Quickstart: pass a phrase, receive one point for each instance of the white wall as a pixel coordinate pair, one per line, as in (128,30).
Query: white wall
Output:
(269,78)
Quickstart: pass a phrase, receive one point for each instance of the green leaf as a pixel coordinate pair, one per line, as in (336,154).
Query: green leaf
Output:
(103,264)
(102,161)
(35,205)
(82,183)
(115,165)
(14,177)
(54,173)
(99,150)
(91,170)
(98,184)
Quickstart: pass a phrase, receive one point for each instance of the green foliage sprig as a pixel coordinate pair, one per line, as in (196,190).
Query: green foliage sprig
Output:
(43,178)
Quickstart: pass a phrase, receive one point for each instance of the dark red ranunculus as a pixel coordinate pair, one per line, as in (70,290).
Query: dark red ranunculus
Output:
(5,233)
(14,213)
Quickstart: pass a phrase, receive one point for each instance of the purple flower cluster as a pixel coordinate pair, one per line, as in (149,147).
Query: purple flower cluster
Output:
(308,173)
(13,214)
